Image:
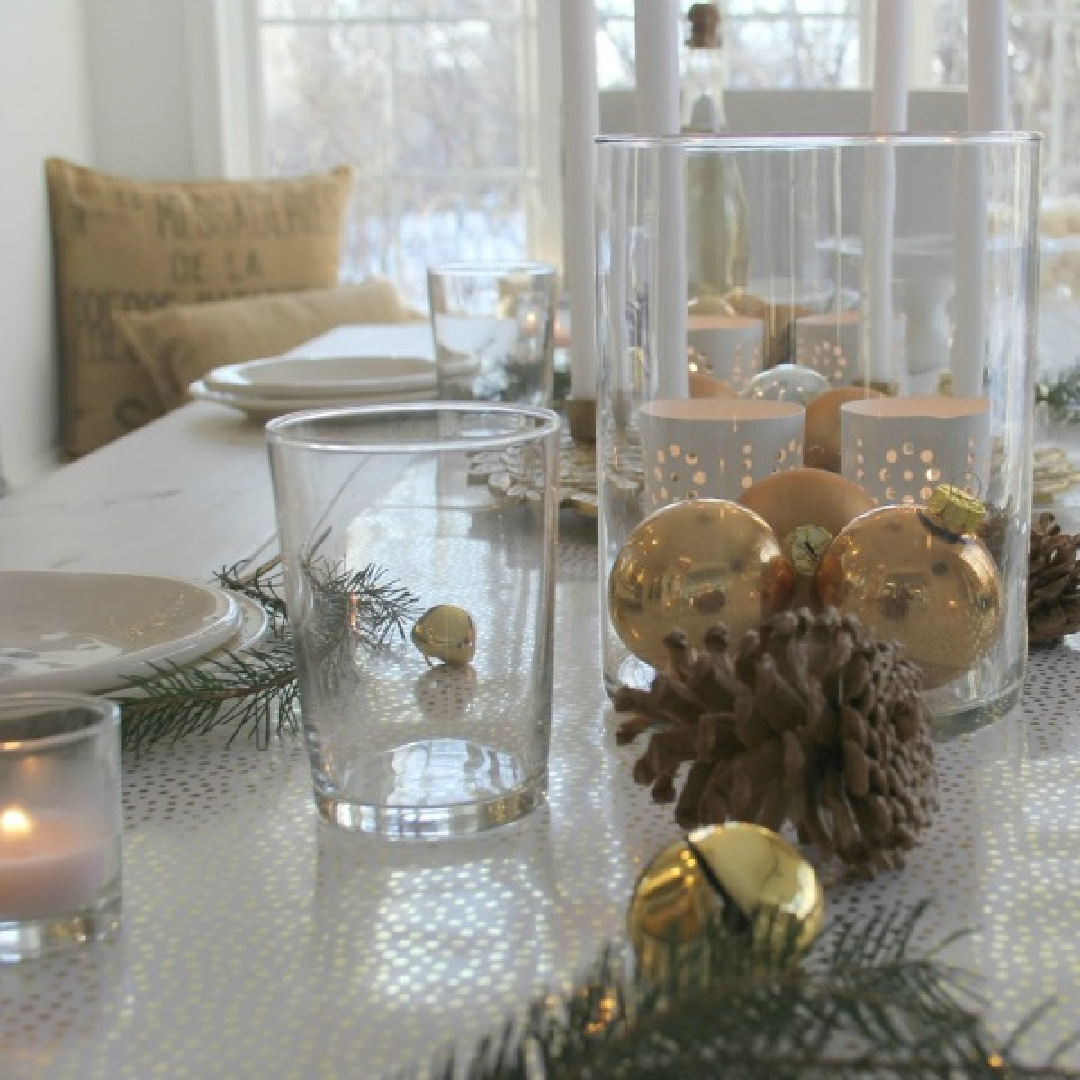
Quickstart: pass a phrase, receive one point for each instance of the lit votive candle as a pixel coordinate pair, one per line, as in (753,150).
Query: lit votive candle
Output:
(60,822)
(49,864)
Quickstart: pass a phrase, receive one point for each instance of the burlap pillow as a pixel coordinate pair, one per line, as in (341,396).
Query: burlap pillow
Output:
(122,245)
(179,344)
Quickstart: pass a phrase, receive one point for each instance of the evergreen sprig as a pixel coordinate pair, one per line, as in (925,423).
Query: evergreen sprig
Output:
(256,692)
(860,1005)
(1062,396)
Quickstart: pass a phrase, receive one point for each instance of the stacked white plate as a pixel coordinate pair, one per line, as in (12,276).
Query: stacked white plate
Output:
(95,632)
(353,365)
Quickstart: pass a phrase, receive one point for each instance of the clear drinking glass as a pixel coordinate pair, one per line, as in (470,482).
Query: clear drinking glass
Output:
(420,593)
(493,326)
(903,266)
(60,822)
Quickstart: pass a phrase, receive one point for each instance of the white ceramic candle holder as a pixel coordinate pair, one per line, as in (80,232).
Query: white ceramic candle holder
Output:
(829,344)
(726,347)
(900,448)
(716,447)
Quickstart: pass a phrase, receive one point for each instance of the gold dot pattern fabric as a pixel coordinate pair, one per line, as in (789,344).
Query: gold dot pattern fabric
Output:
(258,942)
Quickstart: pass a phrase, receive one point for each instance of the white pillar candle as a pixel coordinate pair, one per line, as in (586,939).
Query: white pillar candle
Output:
(900,448)
(726,347)
(656,41)
(581,125)
(892,48)
(50,864)
(715,448)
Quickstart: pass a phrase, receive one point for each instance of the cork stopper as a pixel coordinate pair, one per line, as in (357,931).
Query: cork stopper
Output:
(704,26)
(954,510)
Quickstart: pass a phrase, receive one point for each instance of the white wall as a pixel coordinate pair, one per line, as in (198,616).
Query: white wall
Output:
(43,112)
(137,65)
(104,83)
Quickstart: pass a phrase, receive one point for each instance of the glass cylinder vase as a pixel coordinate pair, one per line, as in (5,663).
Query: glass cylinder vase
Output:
(913,260)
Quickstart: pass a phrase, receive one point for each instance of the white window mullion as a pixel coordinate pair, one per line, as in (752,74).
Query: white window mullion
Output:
(224,87)
(867,19)
(923,43)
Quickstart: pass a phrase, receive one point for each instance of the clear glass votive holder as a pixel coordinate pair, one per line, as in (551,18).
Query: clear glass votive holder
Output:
(920,251)
(493,326)
(60,822)
(420,593)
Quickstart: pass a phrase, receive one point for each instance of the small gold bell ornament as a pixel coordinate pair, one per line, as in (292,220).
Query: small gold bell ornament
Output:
(920,576)
(736,878)
(446,633)
(690,565)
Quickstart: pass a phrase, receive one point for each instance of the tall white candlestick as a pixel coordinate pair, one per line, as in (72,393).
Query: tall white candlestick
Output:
(988,65)
(888,113)
(581,125)
(892,52)
(656,40)
(987,111)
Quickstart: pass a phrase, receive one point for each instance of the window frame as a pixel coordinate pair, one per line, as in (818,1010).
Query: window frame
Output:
(227,114)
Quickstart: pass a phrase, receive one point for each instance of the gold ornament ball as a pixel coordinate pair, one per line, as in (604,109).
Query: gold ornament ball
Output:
(691,565)
(806,508)
(821,445)
(739,878)
(445,633)
(906,578)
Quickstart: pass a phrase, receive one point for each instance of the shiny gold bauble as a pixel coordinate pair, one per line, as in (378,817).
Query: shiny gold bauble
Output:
(708,386)
(797,497)
(821,445)
(691,565)
(739,878)
(806,509)
(912,580)
(445,633)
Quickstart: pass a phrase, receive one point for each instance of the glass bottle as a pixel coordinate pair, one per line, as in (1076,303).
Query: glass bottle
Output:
(717,235)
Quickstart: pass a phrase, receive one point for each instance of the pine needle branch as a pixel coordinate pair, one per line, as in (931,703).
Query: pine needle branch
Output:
(857,1006)
(256,692)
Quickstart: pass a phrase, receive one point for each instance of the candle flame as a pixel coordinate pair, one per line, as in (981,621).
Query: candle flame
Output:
(15,822)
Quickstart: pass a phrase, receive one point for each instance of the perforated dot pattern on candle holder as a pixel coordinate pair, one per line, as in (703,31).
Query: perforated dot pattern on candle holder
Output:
(726,347)
(257,942)
(716,447)
(829,344)
(899,449)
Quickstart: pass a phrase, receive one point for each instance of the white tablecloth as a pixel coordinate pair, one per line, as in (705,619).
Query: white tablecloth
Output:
(259,943)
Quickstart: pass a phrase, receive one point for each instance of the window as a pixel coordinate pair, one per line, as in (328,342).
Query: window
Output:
(448,108)
(1044,47)
(435,104)
(778,43)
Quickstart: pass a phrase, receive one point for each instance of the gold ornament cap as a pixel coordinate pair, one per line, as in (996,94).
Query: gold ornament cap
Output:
(739,878)
(445,633)
(805,545)
(954,510)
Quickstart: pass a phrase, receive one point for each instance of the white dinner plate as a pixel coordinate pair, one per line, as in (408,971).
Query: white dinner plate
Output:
(371,339)
(266,408)
(92,632)
(252,632)
(331,376)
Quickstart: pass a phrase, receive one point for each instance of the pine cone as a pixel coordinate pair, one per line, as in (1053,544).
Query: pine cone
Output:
(1053,603)
(811,720)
